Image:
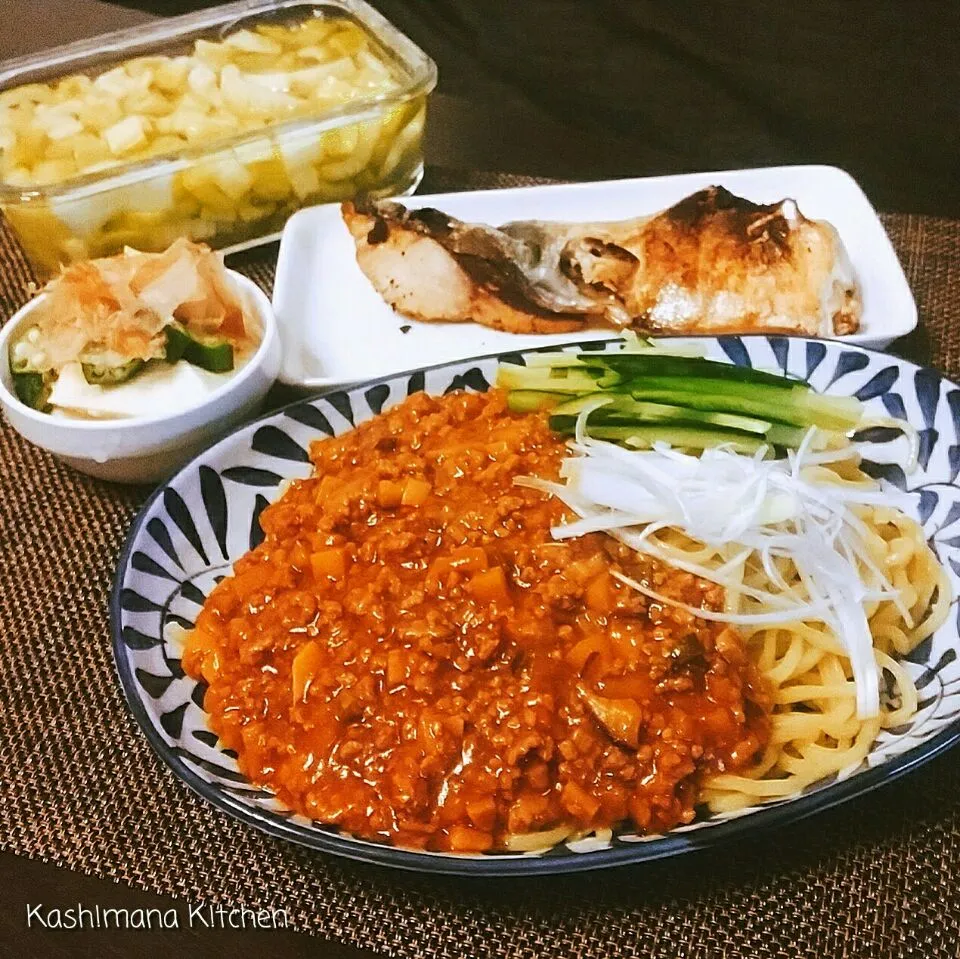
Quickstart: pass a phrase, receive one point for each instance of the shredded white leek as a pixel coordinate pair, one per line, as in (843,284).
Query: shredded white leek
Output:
(792,518)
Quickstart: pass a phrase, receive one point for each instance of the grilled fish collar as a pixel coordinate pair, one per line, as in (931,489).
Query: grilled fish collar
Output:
(712,263)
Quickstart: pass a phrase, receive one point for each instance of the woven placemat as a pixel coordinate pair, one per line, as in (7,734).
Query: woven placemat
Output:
(80,787)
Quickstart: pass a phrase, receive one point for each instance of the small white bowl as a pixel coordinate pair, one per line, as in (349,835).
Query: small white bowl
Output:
(147,449)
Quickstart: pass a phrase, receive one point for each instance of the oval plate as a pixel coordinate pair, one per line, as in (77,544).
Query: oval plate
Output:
(191,530)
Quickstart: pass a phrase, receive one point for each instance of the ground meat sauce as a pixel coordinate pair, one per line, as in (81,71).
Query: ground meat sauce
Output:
(408,653)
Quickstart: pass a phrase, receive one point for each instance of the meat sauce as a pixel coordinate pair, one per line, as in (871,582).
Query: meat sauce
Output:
(409,654)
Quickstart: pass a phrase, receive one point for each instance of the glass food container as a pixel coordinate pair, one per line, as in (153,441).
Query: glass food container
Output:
(216,126)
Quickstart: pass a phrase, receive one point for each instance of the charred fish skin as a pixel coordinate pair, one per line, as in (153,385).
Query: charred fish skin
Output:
(523,263)
(424,267)
(712,263)
(716,262)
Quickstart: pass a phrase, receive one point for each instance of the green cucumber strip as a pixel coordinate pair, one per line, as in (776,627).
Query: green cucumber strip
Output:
(798,407)
(746,424)
(719,403)
(642,347)
(96,374)
(670,393)
(625,409)
(700,418)
(803,405)
(688,437)
(693,367)
(529,401)
(840,413)
(563,361)
(510,377)
(610,381)
(32,389)
(787,437)
(773,395)
(575,405)
(791,437)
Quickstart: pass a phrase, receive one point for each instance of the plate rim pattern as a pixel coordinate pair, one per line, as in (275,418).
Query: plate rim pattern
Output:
(329,840)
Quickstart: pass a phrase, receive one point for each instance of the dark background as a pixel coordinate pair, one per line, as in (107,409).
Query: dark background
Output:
(613,88)
(635,87)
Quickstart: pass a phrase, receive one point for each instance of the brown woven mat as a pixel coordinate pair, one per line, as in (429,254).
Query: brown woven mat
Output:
(79,786)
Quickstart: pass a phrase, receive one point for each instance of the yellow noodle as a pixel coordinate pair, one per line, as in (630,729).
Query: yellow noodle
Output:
(814,728)
(534,841)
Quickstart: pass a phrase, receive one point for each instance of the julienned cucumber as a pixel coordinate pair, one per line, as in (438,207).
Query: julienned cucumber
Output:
(777,434)
(798,405)
(625,407)
(617,413)
(654,362)
(561,380)
(630,365)
(529,401)
(636,398)
(689,437)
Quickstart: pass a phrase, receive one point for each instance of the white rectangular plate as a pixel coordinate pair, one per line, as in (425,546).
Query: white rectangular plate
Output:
(336,329)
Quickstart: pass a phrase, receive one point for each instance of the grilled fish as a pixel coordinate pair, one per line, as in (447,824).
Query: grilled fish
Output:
(712,263)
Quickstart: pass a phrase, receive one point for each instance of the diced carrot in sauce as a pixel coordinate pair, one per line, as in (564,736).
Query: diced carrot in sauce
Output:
(389,493)
(348,705)
(483,813)
(415,491)
(330,563)
(578,802)
(245,583)
(211,667)
(719,721)
(585,570)
(640,811)
(398,666)
(462,560)
(407,657)
(198,642)
(306,665)
(254,752)
(431,733)
(300,555)
(489,586)
(466,839)
(528,813)
(599,593)
(468,559)
(454,726)
(325,487)
(202,652)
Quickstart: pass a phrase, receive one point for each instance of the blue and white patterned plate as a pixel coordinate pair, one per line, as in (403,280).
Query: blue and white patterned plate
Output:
(192,529)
